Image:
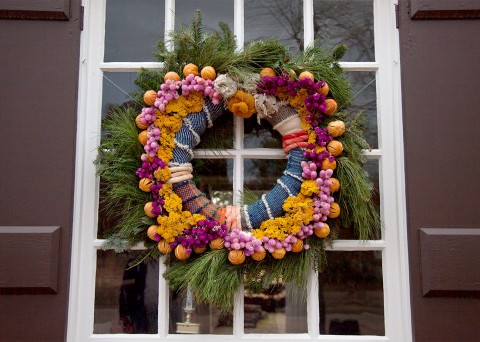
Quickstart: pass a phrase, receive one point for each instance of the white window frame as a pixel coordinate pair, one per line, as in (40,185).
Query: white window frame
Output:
(389,154)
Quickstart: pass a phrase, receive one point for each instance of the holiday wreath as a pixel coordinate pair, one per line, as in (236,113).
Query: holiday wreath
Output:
(144,164)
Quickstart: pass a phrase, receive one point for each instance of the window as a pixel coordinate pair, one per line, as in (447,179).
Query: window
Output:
(364,291)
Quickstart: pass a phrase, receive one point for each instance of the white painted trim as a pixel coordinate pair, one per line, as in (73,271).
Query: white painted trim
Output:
(129,66)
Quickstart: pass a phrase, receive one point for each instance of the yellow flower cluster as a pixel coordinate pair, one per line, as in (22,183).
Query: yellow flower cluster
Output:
(162,174)
(309,187)
(169,227)
(299,99)
(299,210)
(171,121)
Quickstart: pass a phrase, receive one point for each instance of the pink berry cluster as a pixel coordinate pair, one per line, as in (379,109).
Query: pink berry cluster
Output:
(168,92)
(323,199)
(271,244)
(147,169)
(237,240)
(147,115)
(199,236)
(153,136)
(203,86)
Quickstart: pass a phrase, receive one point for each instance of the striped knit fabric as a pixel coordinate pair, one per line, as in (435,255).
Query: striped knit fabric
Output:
(188,136)
(287,185)
(196,202)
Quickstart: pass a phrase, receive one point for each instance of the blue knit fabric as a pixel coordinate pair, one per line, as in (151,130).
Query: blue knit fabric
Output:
(199,122)
(257,212)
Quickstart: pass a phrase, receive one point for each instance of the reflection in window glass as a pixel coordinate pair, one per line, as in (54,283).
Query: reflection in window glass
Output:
(117,88)
(260,176)
(275,311)
(364,90)
(372,167)
(213,11)
(214,177)
(126,300)
(205,319)
(348,22)
(132,30)
(351,294)
(275,19)
(260,136)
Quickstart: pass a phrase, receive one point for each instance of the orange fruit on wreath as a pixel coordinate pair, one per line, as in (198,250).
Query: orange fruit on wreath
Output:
(297,246)
(335,148)
(335,186)
(322,232)
(149,97)
(306,74)
(208,73)
(327,164)
(336,128)
(142,137)
(152,231)
(216,244)
(172,76)
(324,90)
(331,106)
(334,210)
(279,253)
(200,250)
(267,72)
(164,247)
(259,255)
(236,257)
(181,253)
(144,184)
(139,123)
(148,209)
(190,69)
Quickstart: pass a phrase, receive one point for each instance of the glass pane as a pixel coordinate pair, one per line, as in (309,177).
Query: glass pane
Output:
(214,177)
(372,167)
(220,135)
(213,11)
(275,311)
(206,319)
(132,30)
(256,136)
(351,294)
(348,22)
(126,300)
(117,87)
(364,90)
(260,175)
(275,19)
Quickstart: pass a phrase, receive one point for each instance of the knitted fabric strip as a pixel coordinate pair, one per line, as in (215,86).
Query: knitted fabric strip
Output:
(283,113)
(196,202)
(291,178)
(197,122)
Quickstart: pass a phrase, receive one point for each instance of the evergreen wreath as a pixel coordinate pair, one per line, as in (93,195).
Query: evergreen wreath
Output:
(280,237)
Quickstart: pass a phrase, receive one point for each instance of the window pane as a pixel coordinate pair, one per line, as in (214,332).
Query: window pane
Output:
(272,19)
(364,89)
(372,167)
(275,311)
(213,11)
(256,136)
(126,300)
(132,29)
(220,135)
(348,22)
(206,319)
(117,88)
(260,175)
(214,177)
(351,294)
